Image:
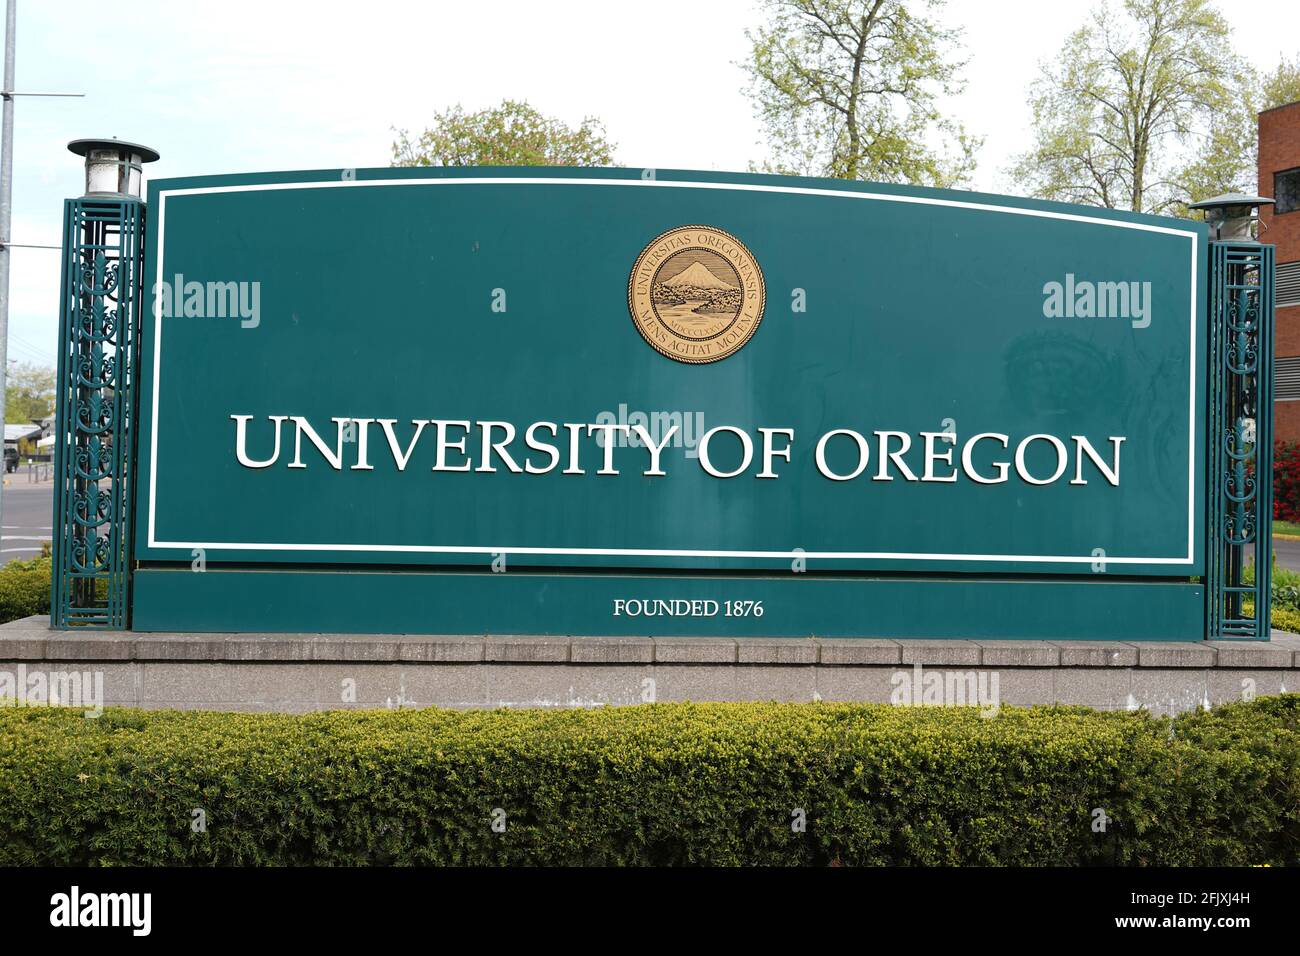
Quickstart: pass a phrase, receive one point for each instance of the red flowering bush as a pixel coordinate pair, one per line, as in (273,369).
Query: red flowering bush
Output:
(1286,481)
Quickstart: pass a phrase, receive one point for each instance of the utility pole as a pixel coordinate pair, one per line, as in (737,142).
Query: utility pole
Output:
(6,207)
(6,214)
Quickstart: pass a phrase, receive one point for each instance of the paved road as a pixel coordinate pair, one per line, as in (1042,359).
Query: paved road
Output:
(1288,553)
(28,514)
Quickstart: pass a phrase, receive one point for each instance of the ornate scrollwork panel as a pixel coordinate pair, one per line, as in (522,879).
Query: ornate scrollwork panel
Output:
(100,312)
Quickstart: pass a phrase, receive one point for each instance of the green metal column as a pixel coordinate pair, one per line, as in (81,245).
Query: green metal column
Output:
(1240,453)
(101,307)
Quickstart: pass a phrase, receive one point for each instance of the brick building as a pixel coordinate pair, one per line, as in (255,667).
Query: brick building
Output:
(1279,178)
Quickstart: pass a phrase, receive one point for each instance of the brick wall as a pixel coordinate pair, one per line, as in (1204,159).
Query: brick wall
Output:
(1286,421)
(1279,148)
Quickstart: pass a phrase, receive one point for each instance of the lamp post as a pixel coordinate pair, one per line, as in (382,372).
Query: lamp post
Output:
(113,167)
(1240,420)
(101,311)
(1232,217)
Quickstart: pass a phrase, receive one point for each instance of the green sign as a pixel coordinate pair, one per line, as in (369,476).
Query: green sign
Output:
(610,397)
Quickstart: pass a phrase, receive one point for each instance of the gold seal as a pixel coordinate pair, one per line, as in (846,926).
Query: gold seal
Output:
(696,294)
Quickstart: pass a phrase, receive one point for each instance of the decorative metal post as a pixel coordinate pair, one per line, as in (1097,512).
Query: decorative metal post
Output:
(1239,531)
(99,319)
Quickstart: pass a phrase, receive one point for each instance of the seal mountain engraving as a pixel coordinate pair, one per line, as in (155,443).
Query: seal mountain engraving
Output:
(696,294)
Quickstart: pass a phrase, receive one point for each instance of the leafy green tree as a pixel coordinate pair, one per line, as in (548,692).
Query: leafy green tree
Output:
(1230,161)
(512,134)
(1280,86)
(849,89)
(1145,108)
(29,393)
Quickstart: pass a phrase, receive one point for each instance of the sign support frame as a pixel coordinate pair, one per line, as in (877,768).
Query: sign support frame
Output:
(94,458)
(1239,518)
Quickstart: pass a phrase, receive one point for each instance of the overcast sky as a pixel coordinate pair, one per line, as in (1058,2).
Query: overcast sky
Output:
(235,86)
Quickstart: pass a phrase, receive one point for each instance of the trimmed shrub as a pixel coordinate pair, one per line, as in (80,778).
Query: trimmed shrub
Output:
(1284,619)
(25,588)
(1284,593)
(656,784)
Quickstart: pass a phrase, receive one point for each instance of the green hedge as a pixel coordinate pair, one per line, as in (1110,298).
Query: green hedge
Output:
(25,588)
(658,784)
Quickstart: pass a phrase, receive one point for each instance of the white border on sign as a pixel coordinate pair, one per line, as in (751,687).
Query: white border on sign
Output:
(164,195)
